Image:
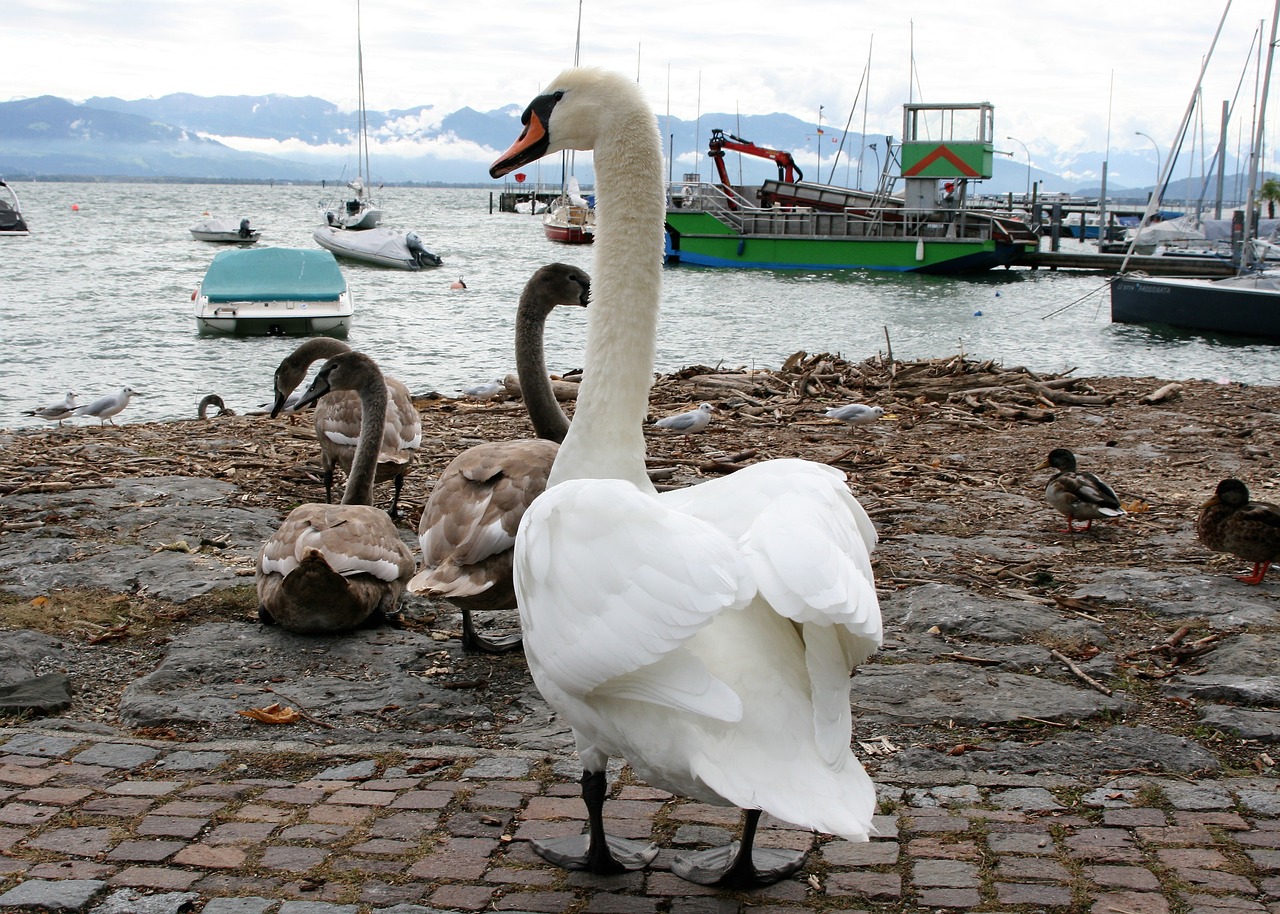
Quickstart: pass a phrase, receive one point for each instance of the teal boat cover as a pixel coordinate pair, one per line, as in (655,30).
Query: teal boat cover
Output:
(273,274)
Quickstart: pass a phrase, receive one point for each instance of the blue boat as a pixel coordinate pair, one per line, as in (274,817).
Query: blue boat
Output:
(273,292)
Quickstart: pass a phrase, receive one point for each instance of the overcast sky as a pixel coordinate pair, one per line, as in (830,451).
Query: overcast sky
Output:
(1065,75)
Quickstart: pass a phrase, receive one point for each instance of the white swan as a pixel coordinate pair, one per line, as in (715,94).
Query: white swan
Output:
(468,526)
(337,420)
(706,635)
(330,568)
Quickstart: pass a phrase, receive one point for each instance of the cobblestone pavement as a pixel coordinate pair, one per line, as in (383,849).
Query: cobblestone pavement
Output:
(100,825)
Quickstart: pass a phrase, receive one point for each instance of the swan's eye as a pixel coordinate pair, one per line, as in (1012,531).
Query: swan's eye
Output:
(558,94)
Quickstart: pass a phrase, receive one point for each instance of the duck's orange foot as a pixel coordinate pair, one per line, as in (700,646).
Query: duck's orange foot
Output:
(1255,577)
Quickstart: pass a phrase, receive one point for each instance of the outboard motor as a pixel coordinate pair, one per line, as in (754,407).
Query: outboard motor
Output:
(421,256)
(245,231)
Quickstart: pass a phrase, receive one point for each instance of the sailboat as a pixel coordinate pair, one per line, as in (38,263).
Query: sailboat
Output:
(359,212)
(1247,303)
(354,231)
(570,218)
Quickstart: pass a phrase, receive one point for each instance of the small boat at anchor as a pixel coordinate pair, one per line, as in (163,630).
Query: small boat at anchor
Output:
(570,217)
(225,231)
(381,246)
(273,292)
(11,221)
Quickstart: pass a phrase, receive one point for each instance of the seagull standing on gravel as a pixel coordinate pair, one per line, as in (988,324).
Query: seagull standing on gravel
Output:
(104,408)
(687,423)
(484,391)
(56,412)
(855,413)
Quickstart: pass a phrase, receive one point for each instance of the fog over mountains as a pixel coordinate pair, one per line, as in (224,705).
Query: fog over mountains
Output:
(284,138)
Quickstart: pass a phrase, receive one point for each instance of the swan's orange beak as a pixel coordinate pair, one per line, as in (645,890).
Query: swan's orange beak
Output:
(522,151)
(534,139)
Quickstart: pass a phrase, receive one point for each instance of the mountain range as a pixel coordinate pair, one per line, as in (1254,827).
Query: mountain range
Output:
(291,139)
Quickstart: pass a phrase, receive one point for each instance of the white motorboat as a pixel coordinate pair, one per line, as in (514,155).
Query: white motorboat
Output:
(273,292)
(383,246)
(225,231)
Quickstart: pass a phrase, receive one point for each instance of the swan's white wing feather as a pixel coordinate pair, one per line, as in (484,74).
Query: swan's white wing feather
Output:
(807,539)
(609,583)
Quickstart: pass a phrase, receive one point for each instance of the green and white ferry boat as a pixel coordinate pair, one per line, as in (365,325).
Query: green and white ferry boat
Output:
(790,223)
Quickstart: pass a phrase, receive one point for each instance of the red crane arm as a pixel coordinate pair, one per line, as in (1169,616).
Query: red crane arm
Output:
(788,170)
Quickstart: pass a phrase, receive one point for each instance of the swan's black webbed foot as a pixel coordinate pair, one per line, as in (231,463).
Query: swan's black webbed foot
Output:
(728,867)
(595,852)
(618,855)
(472,641)
(739,865)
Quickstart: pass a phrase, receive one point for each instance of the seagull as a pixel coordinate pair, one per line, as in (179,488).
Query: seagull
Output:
(105,407)
(687,423)
(484,391)
(855,413)
(56,412)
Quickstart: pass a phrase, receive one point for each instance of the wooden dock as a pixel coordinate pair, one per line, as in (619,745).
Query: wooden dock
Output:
(1110,263)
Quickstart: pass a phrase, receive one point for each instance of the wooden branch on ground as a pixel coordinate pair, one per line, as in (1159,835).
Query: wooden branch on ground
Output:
(1079,673)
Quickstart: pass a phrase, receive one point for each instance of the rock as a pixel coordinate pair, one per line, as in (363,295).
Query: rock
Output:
(1264,726)
(152,512)
(1073,753)
(39,695)
(962,613)
(21,653)
(923,694)
(349,680)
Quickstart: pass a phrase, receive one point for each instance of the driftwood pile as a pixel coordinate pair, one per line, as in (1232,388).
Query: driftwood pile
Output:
(961,389)
(760,414)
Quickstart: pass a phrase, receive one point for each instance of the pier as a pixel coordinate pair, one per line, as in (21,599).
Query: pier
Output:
(1154,265)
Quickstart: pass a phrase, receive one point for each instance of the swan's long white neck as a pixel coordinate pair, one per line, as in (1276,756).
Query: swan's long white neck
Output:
(606,439)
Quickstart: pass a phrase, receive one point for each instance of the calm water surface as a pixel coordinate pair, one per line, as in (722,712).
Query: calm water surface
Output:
(99,297)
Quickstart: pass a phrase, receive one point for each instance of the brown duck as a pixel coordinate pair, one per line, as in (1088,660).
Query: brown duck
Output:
(1230,522)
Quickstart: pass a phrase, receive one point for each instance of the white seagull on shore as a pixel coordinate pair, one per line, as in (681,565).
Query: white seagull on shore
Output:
(687,423)
(56,412)
(484,391)
(855,413)
(104,408)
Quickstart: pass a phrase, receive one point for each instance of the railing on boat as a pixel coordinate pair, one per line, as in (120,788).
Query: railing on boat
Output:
(732,207)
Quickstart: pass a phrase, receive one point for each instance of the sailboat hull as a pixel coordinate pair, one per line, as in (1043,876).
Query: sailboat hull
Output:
(1246,305)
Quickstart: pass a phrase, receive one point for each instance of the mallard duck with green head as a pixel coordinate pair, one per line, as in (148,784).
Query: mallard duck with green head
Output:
(1079,496)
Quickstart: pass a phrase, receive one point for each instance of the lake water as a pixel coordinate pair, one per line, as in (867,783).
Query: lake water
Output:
(99,297)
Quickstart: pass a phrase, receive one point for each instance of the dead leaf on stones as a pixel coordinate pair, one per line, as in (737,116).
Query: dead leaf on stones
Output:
(273,714)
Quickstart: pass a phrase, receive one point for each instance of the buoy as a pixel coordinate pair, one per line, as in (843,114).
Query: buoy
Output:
(920,249)
(75,207)
(977,314)
(458,284)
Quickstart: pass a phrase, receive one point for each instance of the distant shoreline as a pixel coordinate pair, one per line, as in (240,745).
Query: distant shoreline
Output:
(268,182)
